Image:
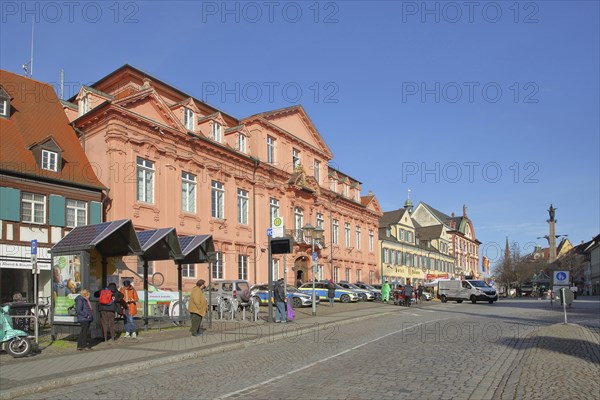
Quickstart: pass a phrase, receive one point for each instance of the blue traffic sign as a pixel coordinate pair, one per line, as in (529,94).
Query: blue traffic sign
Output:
(34,245)
(315,256)
(269,231)
(561,276)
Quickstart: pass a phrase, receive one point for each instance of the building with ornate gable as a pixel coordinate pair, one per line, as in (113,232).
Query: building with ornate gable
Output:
(170,159)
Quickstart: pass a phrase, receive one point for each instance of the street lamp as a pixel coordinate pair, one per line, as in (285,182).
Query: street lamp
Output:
(313,234)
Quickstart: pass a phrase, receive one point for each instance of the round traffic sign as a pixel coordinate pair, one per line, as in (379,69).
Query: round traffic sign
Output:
(277,221)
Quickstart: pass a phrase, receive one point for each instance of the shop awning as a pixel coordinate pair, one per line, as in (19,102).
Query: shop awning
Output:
(111,239)
(196,249)
(159,244)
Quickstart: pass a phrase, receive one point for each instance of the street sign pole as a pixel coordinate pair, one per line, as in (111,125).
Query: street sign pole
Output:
(35,272)
(270,291)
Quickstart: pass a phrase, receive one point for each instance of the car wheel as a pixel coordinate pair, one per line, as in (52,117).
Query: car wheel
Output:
(473,299)
(491,301)
(459,301)
(363,297)
(444,299)
(296,302)
(345,298)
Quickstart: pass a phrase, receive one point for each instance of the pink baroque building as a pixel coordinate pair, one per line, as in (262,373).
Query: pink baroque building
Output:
(170,160)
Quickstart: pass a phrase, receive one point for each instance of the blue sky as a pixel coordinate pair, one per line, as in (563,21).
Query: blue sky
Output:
(494,105)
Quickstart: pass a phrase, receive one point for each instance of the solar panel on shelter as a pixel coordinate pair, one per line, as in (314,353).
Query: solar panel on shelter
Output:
(114,238)
(196,249)
(159,244)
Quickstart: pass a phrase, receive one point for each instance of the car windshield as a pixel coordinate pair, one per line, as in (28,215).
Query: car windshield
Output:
(479,284)
(351,286)
(292,289)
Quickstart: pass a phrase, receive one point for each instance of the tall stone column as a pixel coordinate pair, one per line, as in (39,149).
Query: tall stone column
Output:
(552,235)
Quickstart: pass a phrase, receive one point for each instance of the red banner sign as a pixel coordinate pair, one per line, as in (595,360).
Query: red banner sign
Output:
(432,277)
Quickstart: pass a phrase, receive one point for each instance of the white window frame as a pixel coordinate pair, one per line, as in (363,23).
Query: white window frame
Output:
(218,266)
(243,267)
(333,185)
(347,234)
(357,237)
(49,160)
(35,202)
(335,231)
(76,212)
(84,105)
(345,188)
(242,143)
(358,275)
(188,119)
(188,270)
(145,180)
(140,267)
(320,220)
(336,274)
(243,201)
(273,209)
(217,208)
(348,273)
(270,149)
(317,170)
(275,269)
(188,192)
(4,107)
(217,131)
(371,241)
(298,222)
(295,158)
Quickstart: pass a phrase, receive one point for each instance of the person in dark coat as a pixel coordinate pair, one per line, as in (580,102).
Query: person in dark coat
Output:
(331,292)
(108,311)
(85,316)
(279,298)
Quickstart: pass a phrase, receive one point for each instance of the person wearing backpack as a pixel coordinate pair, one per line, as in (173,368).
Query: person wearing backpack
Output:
(130,298)
(109,303)
(280,300)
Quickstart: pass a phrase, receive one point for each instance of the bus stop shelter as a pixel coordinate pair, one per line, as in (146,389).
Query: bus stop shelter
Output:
(158,245)
(198,249)
(82,260)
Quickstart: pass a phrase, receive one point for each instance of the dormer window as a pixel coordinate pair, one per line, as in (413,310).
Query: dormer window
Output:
(4,107)
(241,143)
(216,131)
(188,119)
(4,103)
(49,160)
(84,105)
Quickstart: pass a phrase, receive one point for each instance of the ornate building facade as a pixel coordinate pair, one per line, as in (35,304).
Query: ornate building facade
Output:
(170,159)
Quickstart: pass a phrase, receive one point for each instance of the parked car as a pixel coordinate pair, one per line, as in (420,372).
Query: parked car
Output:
(298,298)
(372,288)
(427,295)
(233,288)
(365,295)
(341,294)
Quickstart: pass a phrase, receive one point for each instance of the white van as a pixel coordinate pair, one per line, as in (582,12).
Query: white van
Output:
(474,290)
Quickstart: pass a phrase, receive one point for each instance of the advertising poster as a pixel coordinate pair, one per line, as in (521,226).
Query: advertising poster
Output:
(66,282)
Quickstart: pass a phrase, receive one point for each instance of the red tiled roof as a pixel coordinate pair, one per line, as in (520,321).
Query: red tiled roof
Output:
(35,115)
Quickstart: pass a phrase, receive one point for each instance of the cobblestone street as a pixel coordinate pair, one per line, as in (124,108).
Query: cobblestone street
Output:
(509,350)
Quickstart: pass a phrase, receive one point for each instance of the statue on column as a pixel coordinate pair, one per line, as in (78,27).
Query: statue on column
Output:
(551,212)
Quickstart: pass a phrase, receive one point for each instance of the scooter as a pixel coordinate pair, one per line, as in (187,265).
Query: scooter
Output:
(15,341)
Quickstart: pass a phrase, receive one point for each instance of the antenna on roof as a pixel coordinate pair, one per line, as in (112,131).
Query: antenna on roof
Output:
(62,83)
(28,67)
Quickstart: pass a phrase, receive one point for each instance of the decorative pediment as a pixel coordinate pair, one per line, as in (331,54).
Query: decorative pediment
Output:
(149,104)
(300,180)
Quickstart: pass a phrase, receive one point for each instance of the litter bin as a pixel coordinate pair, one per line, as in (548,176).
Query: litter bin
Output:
(21,309)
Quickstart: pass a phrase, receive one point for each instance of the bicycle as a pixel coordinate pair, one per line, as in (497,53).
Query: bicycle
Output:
(43,311)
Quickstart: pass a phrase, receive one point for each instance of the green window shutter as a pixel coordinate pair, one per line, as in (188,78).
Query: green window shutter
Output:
(57,210)
(10,204)
(95,212)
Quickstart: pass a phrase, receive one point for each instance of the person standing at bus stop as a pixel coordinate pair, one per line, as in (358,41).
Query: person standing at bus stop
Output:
(130,298)
(198,307)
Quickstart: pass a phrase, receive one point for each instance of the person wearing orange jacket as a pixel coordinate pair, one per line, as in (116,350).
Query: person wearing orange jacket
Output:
(130,299)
